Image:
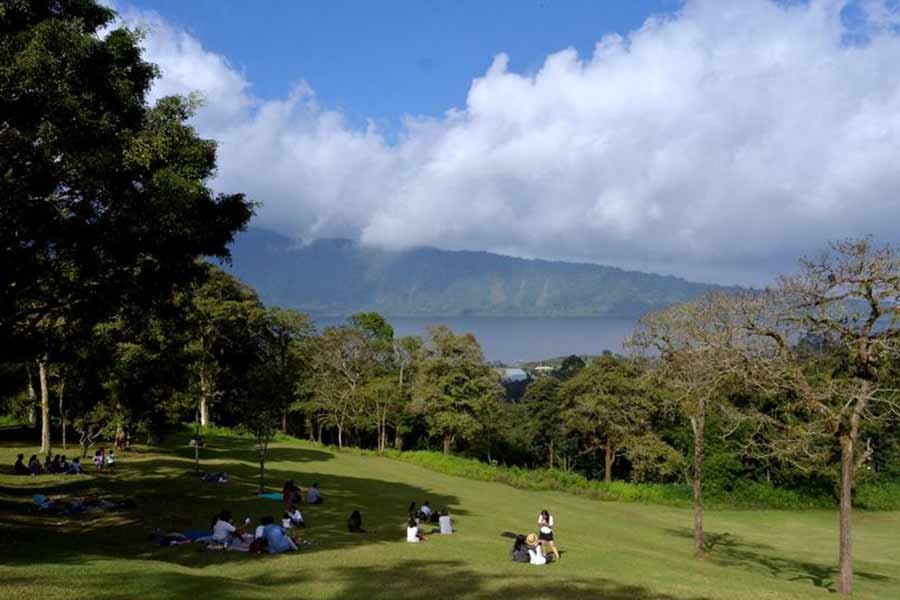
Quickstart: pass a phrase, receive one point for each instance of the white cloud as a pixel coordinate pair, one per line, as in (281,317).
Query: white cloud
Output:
(720,142)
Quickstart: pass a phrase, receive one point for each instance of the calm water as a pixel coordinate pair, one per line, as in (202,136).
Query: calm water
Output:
(515,339)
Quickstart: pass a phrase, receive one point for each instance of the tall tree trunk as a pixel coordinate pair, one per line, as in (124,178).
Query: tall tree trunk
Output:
(45,406)
(340,436)
(262,471)
(284,421)
(62,412)
(845,579)
(32,395)
(697,424)
(609,457)
(398,438)
(550,455)
(204,398)
(448,439)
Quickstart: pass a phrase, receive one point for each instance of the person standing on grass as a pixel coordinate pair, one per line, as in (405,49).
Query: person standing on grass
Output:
(545,527)
(99,460)
(111,460)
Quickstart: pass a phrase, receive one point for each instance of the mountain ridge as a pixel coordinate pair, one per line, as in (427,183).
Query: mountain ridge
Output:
(339,276)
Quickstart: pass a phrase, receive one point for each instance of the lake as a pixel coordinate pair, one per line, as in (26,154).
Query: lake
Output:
(522,339)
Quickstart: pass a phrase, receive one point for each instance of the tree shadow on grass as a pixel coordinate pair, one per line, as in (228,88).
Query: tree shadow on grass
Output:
(411,580)
(171,497)
(728,550)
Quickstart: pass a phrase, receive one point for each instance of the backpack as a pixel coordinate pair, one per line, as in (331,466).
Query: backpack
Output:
(521,555)
(258,546)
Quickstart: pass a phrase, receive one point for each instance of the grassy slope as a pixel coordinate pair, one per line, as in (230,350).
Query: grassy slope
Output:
(611,550)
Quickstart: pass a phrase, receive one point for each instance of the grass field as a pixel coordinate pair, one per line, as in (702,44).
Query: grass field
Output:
(611,550)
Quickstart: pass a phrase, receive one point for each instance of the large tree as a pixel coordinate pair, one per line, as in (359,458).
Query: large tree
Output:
(608,404)
(847,299)
(104,198)
(454,386)
(690,344)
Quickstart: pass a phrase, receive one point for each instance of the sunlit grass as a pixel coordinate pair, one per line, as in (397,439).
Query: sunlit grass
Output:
(611,549)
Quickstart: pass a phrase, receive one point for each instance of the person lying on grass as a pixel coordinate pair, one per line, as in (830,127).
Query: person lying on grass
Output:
(276,540)
(413,534)
(536,554)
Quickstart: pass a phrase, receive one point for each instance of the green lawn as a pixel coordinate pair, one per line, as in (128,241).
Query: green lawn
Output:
(611,550)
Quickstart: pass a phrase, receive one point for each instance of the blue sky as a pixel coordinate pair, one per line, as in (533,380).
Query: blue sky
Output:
(720,141)
(381,60)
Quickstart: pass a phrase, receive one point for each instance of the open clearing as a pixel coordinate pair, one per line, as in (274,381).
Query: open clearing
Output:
(610,550)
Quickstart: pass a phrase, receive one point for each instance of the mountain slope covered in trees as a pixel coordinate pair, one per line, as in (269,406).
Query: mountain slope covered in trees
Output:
(341,277)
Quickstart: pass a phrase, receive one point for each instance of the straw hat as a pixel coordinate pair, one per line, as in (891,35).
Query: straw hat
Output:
(532,539)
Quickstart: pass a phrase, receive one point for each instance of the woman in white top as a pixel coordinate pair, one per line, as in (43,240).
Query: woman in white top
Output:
(413,535)
(545,527)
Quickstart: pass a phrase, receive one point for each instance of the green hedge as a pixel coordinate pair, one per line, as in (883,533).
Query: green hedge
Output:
(745,495)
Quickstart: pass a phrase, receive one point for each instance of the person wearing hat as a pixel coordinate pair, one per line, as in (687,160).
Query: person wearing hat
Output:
(536,554)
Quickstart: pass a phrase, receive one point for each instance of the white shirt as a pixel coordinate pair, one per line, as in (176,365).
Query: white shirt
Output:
(446,526)
(546,526)
(412,535)
(222,530)
(426,510)
(259,531)
(536,557)
(296,516)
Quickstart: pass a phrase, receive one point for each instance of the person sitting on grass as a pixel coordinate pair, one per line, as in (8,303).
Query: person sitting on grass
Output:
(413,533)
(34,465)
(48,464)
(55,465)
(224,530)
(19,468)
(519,551)
(313,495)
(412,512)
(354,523)
(293,515)
(425,512)
(445,523)
(536,554)
(276,540)
(75,467)
(64,464)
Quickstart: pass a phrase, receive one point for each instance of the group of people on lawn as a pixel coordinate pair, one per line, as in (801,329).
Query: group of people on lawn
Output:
(60,465)
(531,548)
(270,536)
(425,514)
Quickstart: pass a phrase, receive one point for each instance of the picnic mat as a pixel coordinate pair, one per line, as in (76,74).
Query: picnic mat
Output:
(271,496)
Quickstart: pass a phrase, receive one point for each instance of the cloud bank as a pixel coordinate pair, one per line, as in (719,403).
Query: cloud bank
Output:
(718,143)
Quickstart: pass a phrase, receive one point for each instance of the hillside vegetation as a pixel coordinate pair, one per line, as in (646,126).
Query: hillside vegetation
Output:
(341,277)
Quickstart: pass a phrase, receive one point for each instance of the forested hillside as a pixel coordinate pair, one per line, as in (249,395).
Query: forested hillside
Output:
(341,277)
